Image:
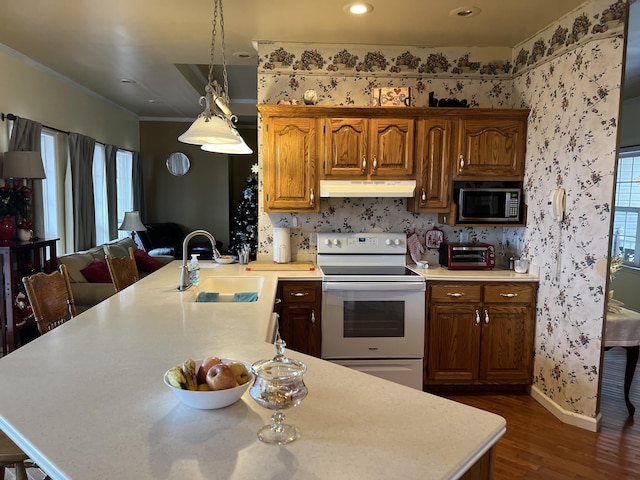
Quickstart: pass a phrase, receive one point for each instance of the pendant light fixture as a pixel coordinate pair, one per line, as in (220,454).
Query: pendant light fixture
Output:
(214,127)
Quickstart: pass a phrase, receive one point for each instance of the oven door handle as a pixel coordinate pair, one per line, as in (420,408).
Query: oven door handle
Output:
(373,286)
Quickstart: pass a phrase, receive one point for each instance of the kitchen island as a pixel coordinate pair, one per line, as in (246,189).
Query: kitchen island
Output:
(87,400)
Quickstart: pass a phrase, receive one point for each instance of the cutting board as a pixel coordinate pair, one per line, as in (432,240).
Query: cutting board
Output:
(299,266)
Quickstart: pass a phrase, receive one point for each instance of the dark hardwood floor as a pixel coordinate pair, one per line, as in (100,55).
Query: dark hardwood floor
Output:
(539,446)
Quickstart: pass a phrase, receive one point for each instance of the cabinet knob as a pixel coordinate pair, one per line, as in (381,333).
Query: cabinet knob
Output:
(509,295)
(277,301)
(312,197)
(486,317)
(461,160)
(423,197)
(375,163)
(299,294)
(364,164)
(455,294)
(477,317)
(313,317)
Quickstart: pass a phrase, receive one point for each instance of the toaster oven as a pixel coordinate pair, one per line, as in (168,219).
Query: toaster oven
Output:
(467,256)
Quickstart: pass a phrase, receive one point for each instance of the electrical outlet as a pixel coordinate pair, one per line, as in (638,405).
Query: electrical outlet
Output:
(313,239)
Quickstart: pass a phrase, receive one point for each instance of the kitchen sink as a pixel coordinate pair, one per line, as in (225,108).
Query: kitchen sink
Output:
(225,290)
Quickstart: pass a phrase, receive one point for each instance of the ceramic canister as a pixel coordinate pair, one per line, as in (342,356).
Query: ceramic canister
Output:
(281,245)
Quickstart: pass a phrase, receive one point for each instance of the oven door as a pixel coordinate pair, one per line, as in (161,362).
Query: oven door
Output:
(373,320)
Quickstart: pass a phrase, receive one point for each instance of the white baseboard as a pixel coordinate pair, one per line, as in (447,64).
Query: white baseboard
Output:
(588,423)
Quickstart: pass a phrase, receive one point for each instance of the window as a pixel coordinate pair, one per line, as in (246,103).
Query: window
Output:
(99,173)
(626,235)
(50,191)
(124,183)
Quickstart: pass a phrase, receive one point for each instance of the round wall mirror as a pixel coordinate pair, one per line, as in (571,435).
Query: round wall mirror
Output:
(178,163)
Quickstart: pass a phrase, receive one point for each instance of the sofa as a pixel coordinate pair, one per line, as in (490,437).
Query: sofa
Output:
(89,274)
(166,239)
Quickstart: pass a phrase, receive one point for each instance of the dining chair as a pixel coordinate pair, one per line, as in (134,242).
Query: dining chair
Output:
(124,271)
(51,298)
(12,456)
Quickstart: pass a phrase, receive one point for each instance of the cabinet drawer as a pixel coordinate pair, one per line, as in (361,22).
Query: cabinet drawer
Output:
(300,292)
(458,293)
(509,293)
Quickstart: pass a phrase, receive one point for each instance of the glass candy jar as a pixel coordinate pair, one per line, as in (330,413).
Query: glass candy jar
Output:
(278,386)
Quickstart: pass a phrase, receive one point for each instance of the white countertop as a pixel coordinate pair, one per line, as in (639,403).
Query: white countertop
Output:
(496,275)
(87,400)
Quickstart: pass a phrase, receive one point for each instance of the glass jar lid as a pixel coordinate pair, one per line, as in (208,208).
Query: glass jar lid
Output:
(280,366)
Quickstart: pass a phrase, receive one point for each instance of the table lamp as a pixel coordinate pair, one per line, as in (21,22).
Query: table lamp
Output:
(132,223)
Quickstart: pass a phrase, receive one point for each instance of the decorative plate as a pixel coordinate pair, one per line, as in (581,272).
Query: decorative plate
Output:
(433,238)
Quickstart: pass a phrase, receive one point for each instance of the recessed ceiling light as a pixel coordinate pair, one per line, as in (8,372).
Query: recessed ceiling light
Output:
(127,80)
(358,8)
(465,12)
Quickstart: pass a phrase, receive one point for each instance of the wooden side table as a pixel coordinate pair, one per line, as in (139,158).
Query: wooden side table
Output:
(20,259)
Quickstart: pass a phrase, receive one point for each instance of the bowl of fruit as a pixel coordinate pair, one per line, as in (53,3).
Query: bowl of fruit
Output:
(210,383)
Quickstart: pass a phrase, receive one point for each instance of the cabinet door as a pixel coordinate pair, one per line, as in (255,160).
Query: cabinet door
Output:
(507,344)
(290,163)
(453,343)
(490,148)
(391,148)
(300,328)
(300,317)
(433,149)
(346,141)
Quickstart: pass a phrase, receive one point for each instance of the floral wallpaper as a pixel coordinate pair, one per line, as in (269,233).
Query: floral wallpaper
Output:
(569,75)
(571,144)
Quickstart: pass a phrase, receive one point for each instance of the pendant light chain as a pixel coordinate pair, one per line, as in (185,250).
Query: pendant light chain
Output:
(214,34)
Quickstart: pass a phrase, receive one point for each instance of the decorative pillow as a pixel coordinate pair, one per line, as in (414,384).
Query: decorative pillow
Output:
(97,272)
(145,262)
(75,262)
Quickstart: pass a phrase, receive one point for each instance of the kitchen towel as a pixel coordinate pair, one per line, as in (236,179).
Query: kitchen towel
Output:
(207,297)
(245,296)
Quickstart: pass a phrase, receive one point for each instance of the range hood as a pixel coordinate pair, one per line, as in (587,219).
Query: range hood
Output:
(367,188)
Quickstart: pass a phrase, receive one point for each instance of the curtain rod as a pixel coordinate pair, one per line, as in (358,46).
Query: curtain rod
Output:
(11,116)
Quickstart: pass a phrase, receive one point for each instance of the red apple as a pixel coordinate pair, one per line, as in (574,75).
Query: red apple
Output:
(207,363)
(220,377)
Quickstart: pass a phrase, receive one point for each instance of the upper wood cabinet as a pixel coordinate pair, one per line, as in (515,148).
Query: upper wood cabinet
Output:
(433,172)
(368,148)
(491,147)
(290,179)
(303,144)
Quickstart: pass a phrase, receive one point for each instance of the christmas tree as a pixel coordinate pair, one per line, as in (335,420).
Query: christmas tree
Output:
(245,221)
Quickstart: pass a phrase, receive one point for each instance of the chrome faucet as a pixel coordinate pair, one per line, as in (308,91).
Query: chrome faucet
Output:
(184,270)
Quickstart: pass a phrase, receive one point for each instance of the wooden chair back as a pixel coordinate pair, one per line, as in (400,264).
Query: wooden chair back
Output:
(51,298)
(124,271)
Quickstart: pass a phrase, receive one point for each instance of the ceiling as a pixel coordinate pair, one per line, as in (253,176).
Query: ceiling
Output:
(164,46)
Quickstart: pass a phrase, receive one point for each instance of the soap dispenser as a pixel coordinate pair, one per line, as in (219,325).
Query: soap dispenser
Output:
(194,269)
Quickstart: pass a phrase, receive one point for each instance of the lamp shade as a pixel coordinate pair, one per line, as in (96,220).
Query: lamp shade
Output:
(22,165)
(212,131)
(233,149)
(132,222)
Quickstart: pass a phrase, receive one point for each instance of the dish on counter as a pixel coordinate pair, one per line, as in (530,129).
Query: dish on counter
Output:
(224,259)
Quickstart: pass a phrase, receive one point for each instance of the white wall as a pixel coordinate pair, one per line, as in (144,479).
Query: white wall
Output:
(31,91)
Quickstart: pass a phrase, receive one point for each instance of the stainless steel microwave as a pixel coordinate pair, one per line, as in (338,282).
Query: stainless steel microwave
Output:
(489,205)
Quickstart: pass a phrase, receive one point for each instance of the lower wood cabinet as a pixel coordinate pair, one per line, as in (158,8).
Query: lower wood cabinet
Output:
(298,305)
(479,333)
